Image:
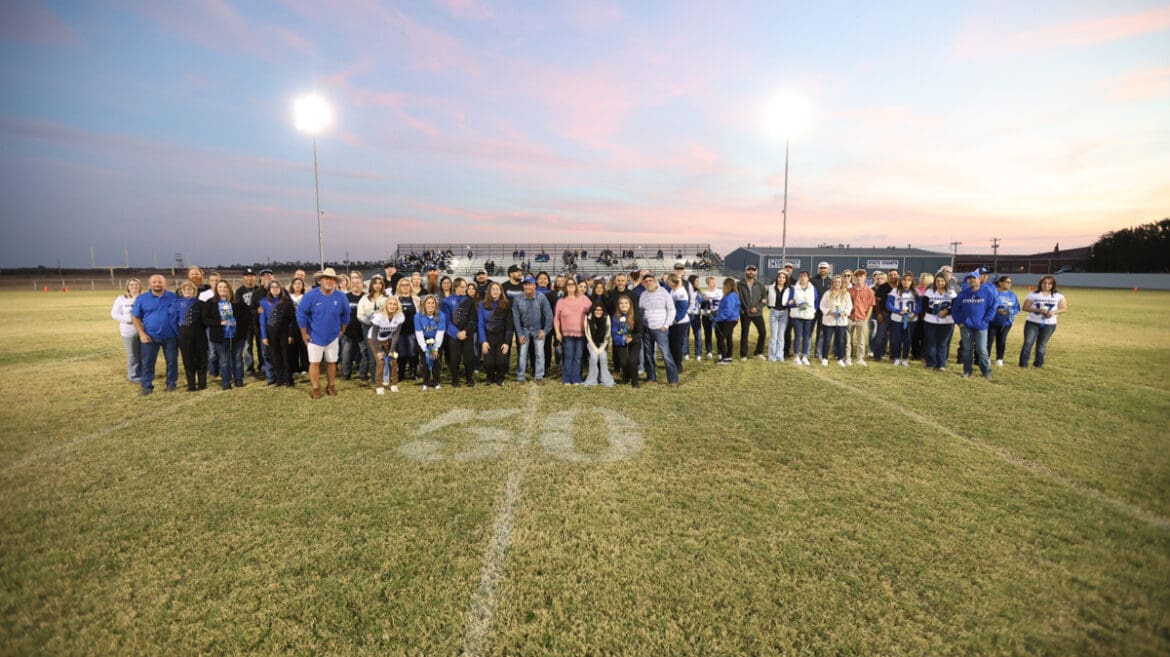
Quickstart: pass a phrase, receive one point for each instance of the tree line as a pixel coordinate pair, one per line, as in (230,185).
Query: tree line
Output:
(1142,249)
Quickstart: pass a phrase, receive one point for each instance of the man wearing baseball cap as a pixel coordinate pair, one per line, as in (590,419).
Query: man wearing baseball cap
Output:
(973,310)
(250,294)
(821,282)
(751,299)
(323,315)
(533,319)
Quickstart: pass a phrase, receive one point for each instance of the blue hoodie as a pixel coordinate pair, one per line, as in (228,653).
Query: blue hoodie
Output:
(1009,302)
(975,308)
(728,308)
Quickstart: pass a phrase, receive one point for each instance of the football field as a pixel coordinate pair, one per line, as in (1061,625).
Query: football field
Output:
(758,509)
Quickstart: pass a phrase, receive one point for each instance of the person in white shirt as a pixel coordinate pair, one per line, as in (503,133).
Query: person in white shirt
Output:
(1042,307)
(658,311)
(121,311)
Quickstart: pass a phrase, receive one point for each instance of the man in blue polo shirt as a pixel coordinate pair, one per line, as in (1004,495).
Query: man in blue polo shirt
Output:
(154,319)
(322,315)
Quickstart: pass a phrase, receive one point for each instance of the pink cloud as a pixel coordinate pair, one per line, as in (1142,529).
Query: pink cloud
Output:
(986,39)
(466,9)
(1142,85)
(30,22)
(217,25)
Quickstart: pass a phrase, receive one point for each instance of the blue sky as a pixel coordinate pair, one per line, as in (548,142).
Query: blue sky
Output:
(159,128)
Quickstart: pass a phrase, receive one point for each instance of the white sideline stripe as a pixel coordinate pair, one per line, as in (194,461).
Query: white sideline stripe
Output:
(81,440)
(482,614)
(1044,471)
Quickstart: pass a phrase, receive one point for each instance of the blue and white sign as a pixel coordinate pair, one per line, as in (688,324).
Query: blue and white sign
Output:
(778,263)
(882,264)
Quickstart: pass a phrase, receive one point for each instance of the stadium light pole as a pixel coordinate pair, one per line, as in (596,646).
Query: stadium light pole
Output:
(312,115)
(788,116)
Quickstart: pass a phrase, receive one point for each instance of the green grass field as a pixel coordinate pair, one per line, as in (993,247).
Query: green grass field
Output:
(758,509)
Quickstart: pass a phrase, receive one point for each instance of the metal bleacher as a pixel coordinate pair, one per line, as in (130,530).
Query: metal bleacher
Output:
(466,259)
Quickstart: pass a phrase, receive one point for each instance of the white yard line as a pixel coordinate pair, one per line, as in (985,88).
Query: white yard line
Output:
(1003,454)
(481,616)
(81,440)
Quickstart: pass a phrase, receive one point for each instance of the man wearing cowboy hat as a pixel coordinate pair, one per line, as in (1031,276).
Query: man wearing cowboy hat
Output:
(322,316)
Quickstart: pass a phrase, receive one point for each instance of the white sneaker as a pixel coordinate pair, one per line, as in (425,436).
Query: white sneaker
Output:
(781,359)
(424,388)
(437,387)
(804,359)
(393,388)
(999,363)
(761,357)
(744,358)
(905,363)
(687,357)
(380,391)
(897,362)
(698,358)
(841,363)
(710,355)
(825,362)
(848,361)
(861,362)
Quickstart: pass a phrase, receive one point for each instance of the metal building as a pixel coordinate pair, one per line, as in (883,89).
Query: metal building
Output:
(768,259)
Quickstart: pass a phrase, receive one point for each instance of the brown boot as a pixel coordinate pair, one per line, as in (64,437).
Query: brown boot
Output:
(331,391)
(315,393)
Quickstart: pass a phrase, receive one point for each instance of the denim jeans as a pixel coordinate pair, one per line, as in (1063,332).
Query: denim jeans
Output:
(661,339)
(536,344)
(997,333)
(1036,334)
(697,332)
(133,357)
(935,350)
(835,337)
(900,335)
(212,358)
(881,338)
(779,324)
(973,340)
(170,349)
(599,370)
(800,341)
(231,362)
(571,369)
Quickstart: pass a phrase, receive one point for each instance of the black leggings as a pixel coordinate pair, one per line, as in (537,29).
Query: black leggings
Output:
(496,362)
(462,352)
(278,351)
(725,330)
(193,349)
(626,360)
(708,325)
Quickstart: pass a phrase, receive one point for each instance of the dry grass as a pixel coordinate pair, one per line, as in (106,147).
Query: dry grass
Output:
(772,509)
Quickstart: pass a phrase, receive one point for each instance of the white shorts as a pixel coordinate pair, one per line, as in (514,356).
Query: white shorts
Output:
(329,351)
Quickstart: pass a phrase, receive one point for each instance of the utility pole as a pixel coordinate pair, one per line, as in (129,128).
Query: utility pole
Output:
(954,252)
(92,260)
(995,250)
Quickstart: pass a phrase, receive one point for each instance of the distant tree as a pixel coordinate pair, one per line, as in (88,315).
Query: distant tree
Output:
(1143,249)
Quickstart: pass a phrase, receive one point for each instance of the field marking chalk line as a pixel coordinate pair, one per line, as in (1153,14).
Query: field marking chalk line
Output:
(81,440)
(1131,510)
(481,616)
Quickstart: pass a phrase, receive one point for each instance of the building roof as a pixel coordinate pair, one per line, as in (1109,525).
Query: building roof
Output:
(844,251)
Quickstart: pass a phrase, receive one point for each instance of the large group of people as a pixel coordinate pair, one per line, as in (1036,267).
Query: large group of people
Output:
(392,328)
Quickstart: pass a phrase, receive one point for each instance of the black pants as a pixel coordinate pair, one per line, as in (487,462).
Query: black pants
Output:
(723,332)
(626,360)
(278,350)
(193,350)
(746,322)
(708,327)
(462,353)
(496,361)
(431,373)
(998,334)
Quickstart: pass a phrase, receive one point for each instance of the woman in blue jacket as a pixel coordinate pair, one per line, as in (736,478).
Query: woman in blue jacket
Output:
(626,328)
(430,327)
(726,319)
(1005,315)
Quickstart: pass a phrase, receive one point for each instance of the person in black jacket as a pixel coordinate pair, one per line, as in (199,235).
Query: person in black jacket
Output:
(221,316)
(192,338)
(250,294)
(495,332)
(464,319)
(277,323)
(626,328)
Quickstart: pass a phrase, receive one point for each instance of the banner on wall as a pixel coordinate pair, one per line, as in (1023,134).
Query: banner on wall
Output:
(882,264)
(778,263)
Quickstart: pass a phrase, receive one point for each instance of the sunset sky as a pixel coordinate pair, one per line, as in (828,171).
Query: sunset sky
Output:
(165,127)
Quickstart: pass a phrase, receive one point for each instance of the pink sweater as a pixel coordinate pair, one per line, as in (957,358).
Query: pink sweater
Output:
(570,315)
